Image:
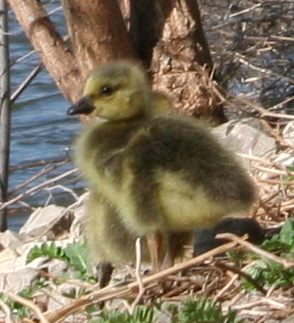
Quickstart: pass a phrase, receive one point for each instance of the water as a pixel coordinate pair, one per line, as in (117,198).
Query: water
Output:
(41,130)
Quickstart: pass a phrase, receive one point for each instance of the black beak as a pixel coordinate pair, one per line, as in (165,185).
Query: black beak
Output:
(83,106)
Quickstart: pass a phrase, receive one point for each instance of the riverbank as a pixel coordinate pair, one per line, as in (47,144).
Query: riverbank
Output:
(59,269)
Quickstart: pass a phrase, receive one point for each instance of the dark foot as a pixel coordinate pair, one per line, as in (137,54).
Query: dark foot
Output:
(105,270)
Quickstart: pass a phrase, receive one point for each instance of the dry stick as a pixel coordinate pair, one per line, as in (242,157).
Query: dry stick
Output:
(60,8)
(236,299)
(241,12)
(25,56)
(77,203)
(43,172)
(276,135)
(174,293)
(43,162)
(226,288)
(36,188)
(243,274)
(64,280)
(263,301)
(261,160)
(263,70)
(138,275)
(276,106)
(263,112)
(59,314)
(271,290)
(63,188)
(274,171)
(116,292)
(276,37)
(289,202)
(26,83)
(249,246)
(28,304)
(7,312)
(274,181)
(5,111)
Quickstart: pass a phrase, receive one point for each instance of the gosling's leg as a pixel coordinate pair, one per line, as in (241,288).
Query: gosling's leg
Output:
(176,242)
(154,242)
(105,270)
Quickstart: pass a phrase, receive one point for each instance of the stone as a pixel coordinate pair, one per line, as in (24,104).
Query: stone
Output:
(42,221)
(17,281)
(55,267)
(290,319)
(77,227)
(10,239)
(246,137)
(288,133)
(8,260)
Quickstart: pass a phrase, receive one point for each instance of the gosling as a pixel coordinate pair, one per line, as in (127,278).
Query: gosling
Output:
(163,174)
(107,237)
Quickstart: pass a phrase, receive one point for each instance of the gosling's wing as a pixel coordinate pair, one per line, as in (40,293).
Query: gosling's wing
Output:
(180,147)
(100,150)
(180,170)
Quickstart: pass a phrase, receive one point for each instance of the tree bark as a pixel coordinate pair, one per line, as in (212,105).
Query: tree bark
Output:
(53,50)
(98,33)
(168,35)
(5,112)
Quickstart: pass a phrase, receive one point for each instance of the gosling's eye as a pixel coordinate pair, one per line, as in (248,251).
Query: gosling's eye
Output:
(106,90)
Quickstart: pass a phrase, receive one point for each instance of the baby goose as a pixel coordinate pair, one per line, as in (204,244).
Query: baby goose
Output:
(107,237)
(163,173)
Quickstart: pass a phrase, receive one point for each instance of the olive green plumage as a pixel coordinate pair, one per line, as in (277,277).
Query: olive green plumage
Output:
(109,239)
(158,173)
(107,236)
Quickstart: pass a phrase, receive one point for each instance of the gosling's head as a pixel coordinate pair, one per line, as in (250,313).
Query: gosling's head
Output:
(117,91)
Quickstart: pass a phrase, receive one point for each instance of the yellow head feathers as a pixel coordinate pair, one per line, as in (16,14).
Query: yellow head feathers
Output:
(123,85)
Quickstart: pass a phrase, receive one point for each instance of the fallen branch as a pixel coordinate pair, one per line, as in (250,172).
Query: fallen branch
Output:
(111,292)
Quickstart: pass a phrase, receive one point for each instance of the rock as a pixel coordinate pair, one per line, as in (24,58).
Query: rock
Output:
(15,262)
(290,319)
(288,133)
(55,267)
(62,226)
(246,137)
(77,227)
(17,281)
(8,259)
(57,301)
(10,239)
(45,221)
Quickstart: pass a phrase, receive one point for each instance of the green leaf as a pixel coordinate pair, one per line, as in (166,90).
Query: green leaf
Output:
(141,315)
(46,250)
(287,233)
(79,258)
(204,310)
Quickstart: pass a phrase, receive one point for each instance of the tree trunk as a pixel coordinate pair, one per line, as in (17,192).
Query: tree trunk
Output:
(5,112)
(53,50)
(168,35)
(97,32)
